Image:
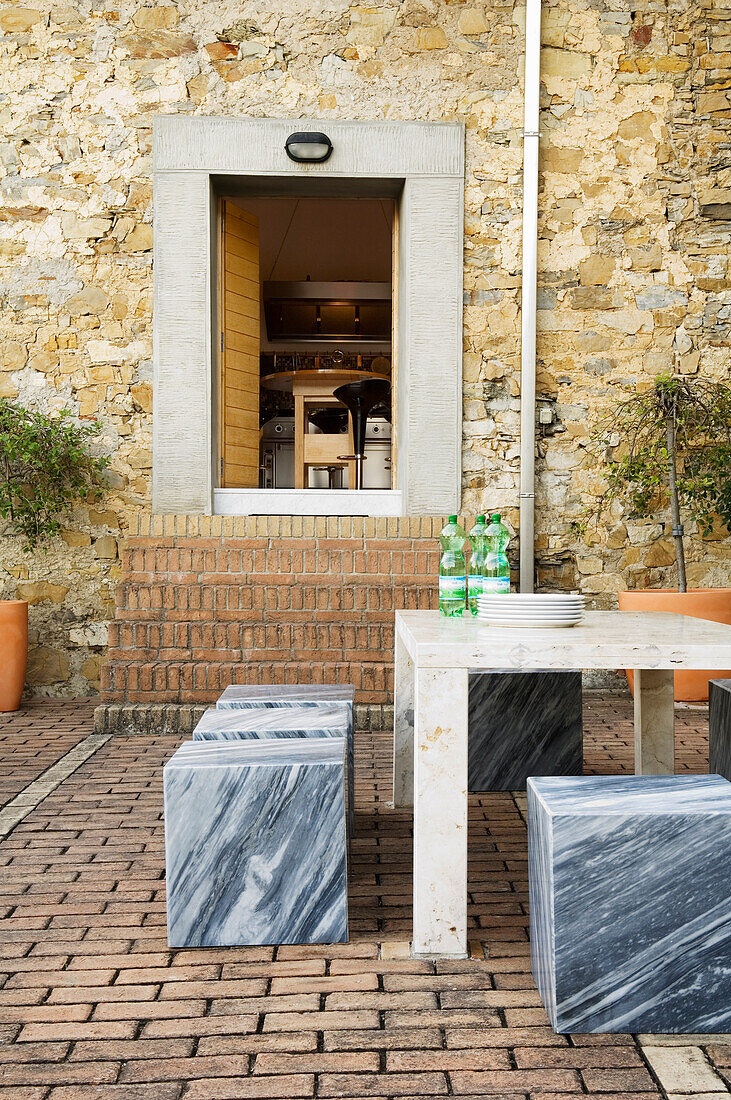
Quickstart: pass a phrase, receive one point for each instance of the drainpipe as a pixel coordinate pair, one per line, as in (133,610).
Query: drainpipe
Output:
(528,304)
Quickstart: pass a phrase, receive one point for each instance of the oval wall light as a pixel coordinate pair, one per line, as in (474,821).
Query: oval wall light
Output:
(313,147)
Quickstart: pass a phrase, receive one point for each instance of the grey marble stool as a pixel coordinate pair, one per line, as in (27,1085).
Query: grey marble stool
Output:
(630,902)
(719,727)
(521,724)
(284,696)
(301,720)
(255,842)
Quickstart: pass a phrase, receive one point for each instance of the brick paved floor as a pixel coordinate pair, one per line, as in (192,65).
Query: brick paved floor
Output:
(34,738)
(93,1005)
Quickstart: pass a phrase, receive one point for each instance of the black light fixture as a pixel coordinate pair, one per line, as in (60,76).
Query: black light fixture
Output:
(308,148)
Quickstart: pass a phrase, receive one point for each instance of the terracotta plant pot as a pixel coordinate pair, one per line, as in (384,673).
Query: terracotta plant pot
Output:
(13,652)
(691,685)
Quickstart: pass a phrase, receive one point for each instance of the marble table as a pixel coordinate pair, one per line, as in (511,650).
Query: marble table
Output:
(521,724)
(434,656)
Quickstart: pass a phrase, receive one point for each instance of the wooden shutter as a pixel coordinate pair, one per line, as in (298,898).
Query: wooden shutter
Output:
(239,293)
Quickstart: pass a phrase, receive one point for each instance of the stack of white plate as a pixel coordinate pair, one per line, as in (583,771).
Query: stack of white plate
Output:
(530,610)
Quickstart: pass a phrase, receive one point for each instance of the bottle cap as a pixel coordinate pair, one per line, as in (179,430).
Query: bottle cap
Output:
(478,518)
(452,519)
(495,518)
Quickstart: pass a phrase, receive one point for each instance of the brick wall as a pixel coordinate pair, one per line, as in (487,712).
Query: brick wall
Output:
(208,601)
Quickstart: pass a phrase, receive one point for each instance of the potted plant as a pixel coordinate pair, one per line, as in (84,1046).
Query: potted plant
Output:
(46,468)
(669,448)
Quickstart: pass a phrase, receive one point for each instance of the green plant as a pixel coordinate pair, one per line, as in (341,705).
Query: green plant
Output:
(670,446)
(46,468)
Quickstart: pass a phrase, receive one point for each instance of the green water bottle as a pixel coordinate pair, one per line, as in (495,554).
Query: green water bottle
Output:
(452,569)
(478,557)
(496,576)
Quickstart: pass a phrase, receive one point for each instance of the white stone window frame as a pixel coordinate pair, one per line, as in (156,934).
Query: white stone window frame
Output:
(424,162)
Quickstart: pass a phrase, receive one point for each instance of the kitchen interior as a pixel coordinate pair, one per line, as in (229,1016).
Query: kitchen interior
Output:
(325,320)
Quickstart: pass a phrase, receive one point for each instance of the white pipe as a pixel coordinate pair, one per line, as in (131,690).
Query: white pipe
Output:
(528,304)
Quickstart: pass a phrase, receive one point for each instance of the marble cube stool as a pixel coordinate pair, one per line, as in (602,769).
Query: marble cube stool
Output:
(285,695)
(321,720)
(719,727)
(521,724)
(254,696)
(255,842)
(630,902)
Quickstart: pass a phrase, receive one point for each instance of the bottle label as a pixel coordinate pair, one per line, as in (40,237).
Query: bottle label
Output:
(451,588)
(475,584)
(496,584)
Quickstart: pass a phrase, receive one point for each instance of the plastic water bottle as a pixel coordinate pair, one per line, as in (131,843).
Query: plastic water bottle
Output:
(478,557)
(452,569)
(496,575)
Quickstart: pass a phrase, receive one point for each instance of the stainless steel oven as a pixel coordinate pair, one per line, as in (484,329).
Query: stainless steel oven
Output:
(277,457)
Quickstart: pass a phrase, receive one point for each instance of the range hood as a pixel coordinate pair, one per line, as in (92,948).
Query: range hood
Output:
(312,312)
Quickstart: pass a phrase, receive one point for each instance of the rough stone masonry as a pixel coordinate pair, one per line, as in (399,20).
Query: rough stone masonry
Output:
(635,220)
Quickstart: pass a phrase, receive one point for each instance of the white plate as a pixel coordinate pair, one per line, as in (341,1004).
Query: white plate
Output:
(530,618)
(567,613)
(533,611)
(543,597)
(497,609)
(530,624)
(509,608)
(524,605)
(504,606)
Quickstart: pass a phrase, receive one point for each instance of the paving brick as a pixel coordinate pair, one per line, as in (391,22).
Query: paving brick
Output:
(317,1063)
(297,1041)
(293,968)
(618,1080)
(683,1069)
(47,1073)
(244,1088)
(149,1010)
(71,978)
(499,1081)
(447,1060)
(48,1013)
(99,994)
(328,951)
(471,1018)
(322,1021)
(581,1058)
(418,1038)
(130,1049)
(183,1069)
(504,1037)
(116,1092)
(345,982)
(187,974)
(395,1084)
(473,980)
(33,1052)
(381,966)
(380,1001)
(23,1092)
(720,1054)
(197,1024)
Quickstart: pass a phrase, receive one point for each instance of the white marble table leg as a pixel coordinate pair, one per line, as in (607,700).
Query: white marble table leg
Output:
(654,722)
(440,813)
(403,728)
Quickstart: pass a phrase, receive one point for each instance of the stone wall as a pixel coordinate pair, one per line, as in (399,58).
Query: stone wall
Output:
(634,238)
